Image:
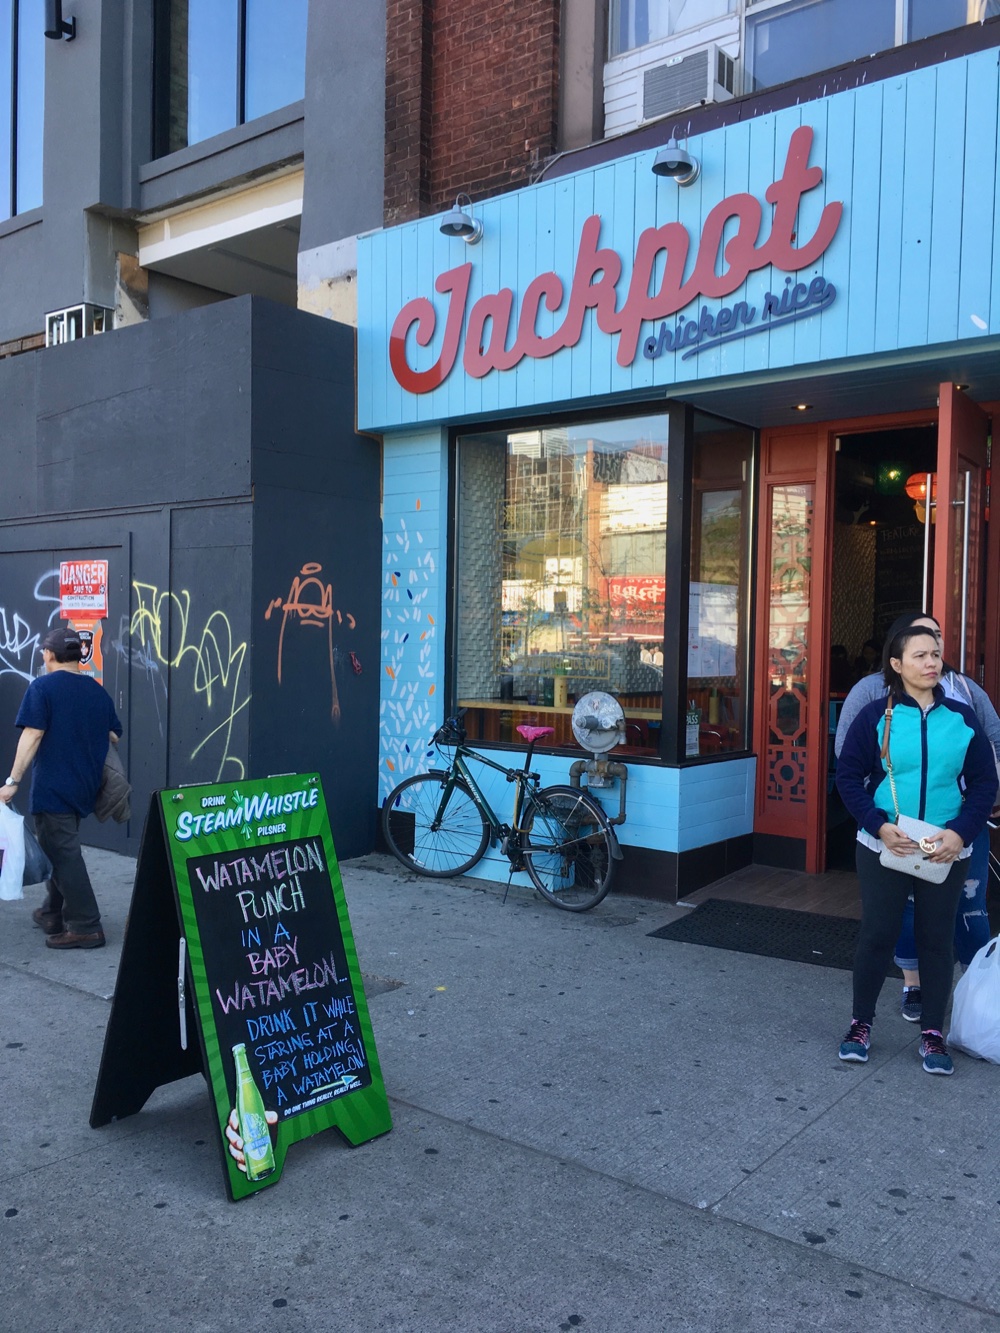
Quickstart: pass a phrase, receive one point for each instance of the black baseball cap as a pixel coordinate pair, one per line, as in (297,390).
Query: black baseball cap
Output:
(65,643)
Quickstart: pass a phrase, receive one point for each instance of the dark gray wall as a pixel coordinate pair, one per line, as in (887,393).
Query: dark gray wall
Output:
(316,529)
(208,457)
(345,121)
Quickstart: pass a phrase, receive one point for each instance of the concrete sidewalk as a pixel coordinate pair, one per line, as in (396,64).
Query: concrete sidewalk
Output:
(593,1129)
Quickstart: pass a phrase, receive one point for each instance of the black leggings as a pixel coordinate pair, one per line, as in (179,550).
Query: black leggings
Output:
(883,897)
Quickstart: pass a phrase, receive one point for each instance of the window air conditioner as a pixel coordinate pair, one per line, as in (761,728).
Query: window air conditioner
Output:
(703,76)
(77,321)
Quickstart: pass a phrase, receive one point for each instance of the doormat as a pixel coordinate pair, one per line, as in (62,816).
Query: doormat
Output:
(771,932)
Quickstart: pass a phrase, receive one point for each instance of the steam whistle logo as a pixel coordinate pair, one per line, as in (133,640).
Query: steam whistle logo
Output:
(247,811)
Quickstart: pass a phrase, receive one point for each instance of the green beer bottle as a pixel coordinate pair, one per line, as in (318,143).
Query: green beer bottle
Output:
(256,1136)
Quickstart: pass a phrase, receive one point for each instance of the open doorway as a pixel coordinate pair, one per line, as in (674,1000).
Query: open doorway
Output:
(883,552)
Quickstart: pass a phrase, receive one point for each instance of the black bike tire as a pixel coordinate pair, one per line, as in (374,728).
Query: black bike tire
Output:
(600,819)
(389,807)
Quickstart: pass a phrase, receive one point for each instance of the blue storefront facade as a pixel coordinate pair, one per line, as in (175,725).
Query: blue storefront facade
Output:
(694,444)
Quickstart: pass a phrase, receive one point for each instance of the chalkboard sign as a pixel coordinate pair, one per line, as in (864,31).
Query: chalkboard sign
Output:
(278,1002)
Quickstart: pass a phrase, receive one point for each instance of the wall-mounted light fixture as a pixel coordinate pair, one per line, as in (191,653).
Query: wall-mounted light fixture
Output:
(460,222)
(56,26)
(677,163)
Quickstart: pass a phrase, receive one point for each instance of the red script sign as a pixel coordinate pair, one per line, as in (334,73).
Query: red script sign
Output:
(597,274)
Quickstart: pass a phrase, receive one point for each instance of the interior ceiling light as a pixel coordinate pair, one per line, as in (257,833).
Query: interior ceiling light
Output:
(802,407)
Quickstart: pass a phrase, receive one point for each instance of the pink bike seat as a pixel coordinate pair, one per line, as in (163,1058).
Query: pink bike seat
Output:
(535,733)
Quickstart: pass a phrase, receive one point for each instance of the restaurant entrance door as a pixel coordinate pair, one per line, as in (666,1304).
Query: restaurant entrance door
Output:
(860,520)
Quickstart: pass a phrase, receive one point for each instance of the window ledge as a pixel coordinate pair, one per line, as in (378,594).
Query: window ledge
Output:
(21,221)
(221,143)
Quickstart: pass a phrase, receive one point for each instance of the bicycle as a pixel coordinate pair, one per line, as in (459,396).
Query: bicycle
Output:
(439,824)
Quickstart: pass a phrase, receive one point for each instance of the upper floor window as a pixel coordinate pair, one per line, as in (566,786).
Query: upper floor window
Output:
(22,99)
(639,22)
(223,62)
(788,39)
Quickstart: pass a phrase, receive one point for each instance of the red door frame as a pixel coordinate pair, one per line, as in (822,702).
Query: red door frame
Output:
(796,455)
(963,430)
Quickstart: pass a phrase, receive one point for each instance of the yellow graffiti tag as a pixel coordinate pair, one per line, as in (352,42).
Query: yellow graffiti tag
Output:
(162,620)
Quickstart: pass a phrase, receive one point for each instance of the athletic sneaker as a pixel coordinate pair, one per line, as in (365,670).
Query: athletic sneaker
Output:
(912,1006)
(934,1053)
(855,1044)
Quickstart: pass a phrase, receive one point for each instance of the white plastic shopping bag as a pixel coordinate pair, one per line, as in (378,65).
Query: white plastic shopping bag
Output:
(12,851)
(975,1011)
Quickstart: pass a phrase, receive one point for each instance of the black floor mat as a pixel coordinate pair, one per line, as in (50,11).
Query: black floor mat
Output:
(771,932)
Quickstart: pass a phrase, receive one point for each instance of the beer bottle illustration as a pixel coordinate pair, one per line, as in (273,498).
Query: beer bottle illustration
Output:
(256,1136)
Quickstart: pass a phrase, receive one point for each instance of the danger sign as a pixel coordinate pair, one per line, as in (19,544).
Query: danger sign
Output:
(83,589)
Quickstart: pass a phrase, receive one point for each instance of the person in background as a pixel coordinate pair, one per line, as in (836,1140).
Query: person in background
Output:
(67,721)
(841,675)
(868,660)
(944,772)
(972,924)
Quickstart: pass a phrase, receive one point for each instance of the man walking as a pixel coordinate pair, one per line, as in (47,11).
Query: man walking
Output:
(66,721)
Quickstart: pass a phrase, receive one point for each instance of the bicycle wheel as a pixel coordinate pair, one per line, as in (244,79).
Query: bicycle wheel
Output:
(566,841)
(431,839)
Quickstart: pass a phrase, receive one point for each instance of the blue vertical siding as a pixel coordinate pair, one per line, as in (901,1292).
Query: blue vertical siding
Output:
(915,260)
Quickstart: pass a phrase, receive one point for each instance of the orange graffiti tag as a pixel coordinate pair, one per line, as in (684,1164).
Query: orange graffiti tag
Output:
(310,601)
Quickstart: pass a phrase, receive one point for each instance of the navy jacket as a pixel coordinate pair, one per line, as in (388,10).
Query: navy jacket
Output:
(942,762)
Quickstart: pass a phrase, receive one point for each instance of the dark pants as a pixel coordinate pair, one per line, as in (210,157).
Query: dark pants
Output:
(883,898)
(69,890)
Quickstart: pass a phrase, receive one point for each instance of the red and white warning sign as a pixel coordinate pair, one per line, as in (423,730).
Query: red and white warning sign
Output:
(83,589)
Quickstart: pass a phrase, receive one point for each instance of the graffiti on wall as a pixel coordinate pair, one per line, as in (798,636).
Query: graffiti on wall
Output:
(22,631)
(161,635)
(309,605)
(164,631)
(408,710)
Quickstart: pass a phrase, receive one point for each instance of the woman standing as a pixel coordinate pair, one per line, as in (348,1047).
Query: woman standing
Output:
(972,926)
(944,773)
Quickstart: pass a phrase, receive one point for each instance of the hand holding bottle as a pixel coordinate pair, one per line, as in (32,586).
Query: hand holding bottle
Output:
(235,1139)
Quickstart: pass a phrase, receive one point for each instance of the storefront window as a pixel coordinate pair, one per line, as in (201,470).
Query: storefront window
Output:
(717,646)
(561,575)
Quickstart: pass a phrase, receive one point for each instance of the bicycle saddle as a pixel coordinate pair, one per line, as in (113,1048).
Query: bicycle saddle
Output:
(535,733)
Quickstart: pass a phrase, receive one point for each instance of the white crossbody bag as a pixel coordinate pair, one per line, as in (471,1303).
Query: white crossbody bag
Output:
(926,835)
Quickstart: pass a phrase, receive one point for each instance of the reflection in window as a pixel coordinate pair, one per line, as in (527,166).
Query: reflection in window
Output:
(638,22)
(561,575)
(223,62)
(931,16)
(717,650)
(22,68)
(275,54)
(799,37)
(809,35)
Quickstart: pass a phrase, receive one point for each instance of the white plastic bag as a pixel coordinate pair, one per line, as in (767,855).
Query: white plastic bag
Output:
(975,1011)
(12,850)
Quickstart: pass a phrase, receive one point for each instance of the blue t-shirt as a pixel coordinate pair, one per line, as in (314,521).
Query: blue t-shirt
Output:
(76,715)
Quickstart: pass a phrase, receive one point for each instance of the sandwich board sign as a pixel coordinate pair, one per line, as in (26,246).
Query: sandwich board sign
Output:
(238,960)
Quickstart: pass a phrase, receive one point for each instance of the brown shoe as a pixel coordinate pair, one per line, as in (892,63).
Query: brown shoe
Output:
(69,939)
(50,922)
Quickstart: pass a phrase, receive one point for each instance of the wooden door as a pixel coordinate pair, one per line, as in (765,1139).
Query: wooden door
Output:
(957,593)
(791,667)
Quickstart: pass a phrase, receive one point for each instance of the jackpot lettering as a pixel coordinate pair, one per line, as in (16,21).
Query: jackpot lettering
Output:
(598,272)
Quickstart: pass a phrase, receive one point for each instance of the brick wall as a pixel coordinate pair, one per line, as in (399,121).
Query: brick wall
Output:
(471,99)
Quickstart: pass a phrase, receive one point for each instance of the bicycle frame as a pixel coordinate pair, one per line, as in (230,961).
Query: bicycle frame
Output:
(521,777)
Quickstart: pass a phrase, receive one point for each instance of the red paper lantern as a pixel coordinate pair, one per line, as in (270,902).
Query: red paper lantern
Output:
(916,487)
